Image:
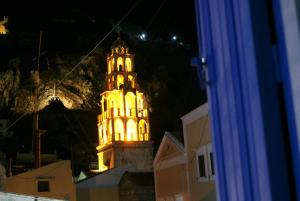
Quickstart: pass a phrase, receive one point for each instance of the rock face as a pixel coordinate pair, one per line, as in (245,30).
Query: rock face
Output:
(9,84)
(74,94)
(2,176)
(76,88)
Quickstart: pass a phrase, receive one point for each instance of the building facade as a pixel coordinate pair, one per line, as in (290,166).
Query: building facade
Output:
(170,172)
(125,153)
(198,148)
(186,172)
(123,125)
(51,181)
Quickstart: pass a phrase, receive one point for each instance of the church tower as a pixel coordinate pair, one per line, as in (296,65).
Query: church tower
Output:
(123,125)
(3,29)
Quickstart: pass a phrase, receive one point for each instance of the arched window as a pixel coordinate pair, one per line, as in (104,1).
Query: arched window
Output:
(143,130)
(128,64)
(120,81)
(120,64)
(113,63)
(130,104)
(131,131)
(119,130)
(119,105)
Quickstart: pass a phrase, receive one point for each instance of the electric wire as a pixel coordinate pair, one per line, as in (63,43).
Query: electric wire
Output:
(94,48)
(89,53)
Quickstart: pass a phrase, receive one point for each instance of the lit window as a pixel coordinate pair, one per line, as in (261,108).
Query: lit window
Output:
(131,131)
(120,64)
(100,135)
(143,130)
(128,64)
(120,80)
(130,104)
(109,67)
(119,130)
(130,81)
(43,186)
(109,131)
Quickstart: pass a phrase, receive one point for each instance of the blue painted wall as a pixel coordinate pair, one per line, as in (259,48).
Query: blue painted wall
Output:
(251,103)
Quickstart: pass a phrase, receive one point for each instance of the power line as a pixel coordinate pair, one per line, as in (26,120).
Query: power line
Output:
(89,53)
(94,48)
(11,125)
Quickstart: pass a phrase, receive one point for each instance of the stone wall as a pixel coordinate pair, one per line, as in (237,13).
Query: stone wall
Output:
(137,187)
(137,157)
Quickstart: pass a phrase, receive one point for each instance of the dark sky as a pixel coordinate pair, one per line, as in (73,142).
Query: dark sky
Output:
(159,18)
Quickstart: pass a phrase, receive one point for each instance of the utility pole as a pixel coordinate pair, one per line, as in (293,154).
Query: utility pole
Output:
(36,131)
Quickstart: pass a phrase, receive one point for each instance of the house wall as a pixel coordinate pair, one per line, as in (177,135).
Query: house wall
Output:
(58,174)
(98,194)
(169,152)
(198,134)
(170,182)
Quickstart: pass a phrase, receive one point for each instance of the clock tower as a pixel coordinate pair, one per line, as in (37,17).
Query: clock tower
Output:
(123,125)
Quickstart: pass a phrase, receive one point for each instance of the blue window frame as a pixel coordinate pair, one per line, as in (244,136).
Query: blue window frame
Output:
(254,136)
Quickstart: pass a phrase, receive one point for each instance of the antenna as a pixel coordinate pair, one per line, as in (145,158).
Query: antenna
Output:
(36,131)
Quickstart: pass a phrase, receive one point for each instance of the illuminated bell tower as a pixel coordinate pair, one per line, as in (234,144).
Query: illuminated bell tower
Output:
(123,125)
(3,29)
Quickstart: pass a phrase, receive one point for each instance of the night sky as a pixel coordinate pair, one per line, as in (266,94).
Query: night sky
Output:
(72,30)
(158,18)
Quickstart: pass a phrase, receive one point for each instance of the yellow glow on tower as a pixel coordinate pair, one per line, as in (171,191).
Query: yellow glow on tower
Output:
(124,109)
(3,29)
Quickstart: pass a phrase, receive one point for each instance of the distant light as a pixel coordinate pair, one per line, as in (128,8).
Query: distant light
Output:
(142,36)
(174,38)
